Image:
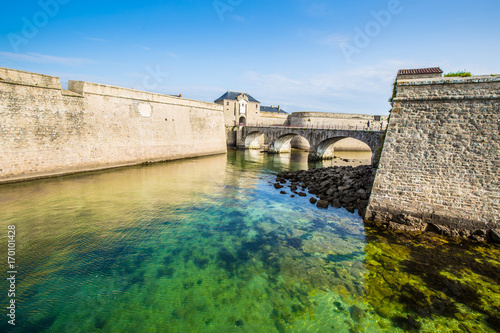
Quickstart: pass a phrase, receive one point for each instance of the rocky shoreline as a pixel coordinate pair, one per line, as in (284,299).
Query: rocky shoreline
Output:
(350,187)
(338,186)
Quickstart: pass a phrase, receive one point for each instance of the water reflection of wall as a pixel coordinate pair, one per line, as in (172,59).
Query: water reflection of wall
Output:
(91,214)
(174,181)
(48,131)
(296,160)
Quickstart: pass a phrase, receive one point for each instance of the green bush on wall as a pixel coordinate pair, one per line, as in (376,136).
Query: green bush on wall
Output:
(394,91)
(460,73)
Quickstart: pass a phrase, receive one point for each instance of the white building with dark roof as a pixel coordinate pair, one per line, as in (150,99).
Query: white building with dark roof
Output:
(239,108)
(242,108)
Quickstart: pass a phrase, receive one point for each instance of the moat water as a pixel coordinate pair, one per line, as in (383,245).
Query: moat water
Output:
(208,245)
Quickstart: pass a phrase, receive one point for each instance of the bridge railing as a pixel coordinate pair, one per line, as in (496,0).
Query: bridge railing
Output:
(326,127)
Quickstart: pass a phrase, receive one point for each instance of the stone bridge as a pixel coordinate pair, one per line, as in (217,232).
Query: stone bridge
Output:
(321,141)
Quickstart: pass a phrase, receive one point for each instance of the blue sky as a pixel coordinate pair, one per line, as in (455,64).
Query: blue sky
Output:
(305,55)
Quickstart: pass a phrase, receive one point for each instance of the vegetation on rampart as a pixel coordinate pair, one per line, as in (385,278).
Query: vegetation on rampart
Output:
(458,74)
(394,91)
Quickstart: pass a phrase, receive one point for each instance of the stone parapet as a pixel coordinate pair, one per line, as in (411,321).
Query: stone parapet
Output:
(46,131)
(440,165)
(13,76)
(450,88)
(88,88)
(345,120)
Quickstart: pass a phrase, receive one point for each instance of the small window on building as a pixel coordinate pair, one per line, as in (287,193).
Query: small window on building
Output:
(227,103)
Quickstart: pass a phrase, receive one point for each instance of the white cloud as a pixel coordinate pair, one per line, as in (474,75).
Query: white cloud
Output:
(345,90)
(316,8)
(172,55)
(140,46)
(334,40)
(237,18)
(44,59)
(95,39)
(276,80)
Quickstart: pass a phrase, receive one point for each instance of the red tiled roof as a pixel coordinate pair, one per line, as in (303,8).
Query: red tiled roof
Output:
(433,70)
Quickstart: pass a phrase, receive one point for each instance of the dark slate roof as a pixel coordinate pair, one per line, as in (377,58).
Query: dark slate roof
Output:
(432,70)
(231,95)
(271,109)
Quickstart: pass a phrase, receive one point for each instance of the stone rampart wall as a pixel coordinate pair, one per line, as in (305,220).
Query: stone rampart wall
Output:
(440,165)
(323,119)
(231,136)
(46,131)
(270,118)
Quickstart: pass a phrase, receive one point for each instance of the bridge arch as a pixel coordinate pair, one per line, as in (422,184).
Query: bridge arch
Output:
(301,143)
(255,140)
(242,121)
(283,144)
(326,149)
(351,144)
(320,140)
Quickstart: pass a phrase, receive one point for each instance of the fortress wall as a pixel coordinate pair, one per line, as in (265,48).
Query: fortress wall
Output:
(47,131)
(270,118)
(323,119)
(440,165)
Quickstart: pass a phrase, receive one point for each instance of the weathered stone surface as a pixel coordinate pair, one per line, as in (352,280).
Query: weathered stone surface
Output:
(347,187)
(440,161)
(322,204)
(348,199)
(438,229)
(495,235)
(402,227)
(362,194)
(46,131)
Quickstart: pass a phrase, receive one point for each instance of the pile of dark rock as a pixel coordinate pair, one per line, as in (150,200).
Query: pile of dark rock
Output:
(338,186)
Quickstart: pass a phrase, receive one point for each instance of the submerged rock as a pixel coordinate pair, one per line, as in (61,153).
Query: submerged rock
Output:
(357,314)
(383,312)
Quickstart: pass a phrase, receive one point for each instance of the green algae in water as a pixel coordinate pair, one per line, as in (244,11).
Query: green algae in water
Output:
(208,245)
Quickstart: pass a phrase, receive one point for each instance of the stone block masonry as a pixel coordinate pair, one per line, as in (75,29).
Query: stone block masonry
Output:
(47,131)
(440,165)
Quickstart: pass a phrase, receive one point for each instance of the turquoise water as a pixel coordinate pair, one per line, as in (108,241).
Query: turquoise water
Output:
(208,245)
